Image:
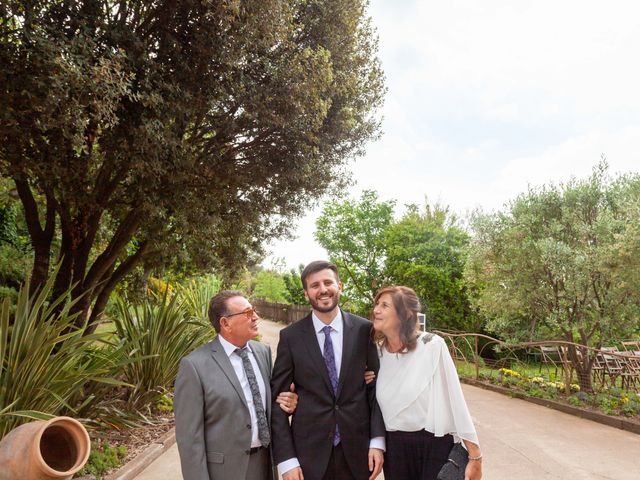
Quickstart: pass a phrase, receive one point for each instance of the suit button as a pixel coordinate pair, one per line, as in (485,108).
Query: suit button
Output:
(249,426)
(337,407)
(248,452)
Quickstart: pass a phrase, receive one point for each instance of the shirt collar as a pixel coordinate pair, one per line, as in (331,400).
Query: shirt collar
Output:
(336,323)
(229,347)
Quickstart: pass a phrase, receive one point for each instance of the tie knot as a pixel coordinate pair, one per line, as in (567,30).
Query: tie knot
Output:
(327,330)
(242,352)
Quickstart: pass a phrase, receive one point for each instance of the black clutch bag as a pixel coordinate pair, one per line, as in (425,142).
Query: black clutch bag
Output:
(456,464)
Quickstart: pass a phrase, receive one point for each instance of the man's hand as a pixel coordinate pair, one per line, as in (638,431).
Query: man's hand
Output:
(288,401)
(369,376)
(376,459)
(293,474)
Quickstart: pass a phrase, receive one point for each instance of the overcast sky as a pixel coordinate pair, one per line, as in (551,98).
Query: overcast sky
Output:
(488,97)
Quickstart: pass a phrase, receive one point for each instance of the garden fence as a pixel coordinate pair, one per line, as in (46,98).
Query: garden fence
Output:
(281,312)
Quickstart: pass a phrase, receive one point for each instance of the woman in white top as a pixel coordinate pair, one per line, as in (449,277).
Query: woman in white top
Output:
(419,393)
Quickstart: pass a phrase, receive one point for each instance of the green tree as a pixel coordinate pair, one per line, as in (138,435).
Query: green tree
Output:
(270,286)
(353,233)
(426,251)
(294,293)
(561,261)
(149,131)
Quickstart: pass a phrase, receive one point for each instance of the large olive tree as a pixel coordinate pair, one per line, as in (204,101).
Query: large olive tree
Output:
(140,130)
(562,261)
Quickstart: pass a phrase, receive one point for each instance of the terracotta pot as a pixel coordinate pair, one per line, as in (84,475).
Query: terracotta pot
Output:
(43,450)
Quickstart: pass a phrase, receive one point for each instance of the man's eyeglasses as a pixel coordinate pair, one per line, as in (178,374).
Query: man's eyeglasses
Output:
(248,313)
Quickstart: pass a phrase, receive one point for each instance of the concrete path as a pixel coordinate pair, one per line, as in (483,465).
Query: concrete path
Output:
(519,440)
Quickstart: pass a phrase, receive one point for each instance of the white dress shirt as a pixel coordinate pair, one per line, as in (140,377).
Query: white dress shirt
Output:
(337,330)
(236,363)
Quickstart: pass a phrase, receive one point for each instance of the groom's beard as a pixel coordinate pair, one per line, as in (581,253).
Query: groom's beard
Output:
(324,307)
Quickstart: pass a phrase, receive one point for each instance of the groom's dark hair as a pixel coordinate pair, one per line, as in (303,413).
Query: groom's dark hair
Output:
(317,266)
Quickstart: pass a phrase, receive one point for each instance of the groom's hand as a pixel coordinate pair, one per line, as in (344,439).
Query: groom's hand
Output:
(294,474)
(376,459)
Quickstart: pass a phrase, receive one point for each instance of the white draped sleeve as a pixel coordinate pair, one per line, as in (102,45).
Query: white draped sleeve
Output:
(420,390)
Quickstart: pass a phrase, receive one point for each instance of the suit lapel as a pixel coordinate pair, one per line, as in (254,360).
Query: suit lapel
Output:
(348,347)
(310,339)
(221,358)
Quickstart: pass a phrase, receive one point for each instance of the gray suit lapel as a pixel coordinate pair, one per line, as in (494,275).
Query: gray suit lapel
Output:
(221,358)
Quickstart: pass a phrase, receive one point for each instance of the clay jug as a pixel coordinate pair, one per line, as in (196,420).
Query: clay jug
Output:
(44,450)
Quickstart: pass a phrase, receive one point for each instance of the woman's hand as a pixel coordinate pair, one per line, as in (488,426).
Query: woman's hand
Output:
(369,376)
(288,401)
(474,467)
(473,470)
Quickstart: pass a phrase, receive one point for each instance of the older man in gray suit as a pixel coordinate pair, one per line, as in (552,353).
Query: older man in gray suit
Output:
(221,401)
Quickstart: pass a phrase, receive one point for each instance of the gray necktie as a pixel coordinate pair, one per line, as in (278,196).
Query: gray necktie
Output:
(263,427)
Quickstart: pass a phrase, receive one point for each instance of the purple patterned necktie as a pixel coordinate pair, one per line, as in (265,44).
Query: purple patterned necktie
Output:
(330,362)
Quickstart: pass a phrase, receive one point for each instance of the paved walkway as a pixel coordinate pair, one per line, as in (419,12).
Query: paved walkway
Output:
(519,440)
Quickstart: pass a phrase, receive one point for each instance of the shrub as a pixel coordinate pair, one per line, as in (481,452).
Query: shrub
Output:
(14,265)
(102,458)
(195,296)
(156,335)
(574,400)
(45,360)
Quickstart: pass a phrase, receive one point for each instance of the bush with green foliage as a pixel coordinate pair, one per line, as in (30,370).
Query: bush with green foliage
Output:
(353,232)
(294,292)
(426,250)
(14,265)
(159,333)
(46,362)
(562,261)
(102,458)
(269,286)
(196,294)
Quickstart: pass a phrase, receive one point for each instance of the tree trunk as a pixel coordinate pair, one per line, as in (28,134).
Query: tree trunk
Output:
(41,238)
(109,283)
(582,362)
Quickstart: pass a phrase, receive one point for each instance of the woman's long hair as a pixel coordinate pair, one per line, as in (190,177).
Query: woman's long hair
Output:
(407,306)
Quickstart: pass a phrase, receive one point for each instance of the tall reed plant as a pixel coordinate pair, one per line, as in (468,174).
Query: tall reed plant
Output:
(45,359)
(195,296)
(159,333)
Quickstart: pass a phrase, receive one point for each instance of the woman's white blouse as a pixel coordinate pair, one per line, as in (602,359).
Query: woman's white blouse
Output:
(420,390)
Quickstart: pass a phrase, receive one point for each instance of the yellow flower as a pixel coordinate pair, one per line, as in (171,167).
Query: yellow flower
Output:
(509,373)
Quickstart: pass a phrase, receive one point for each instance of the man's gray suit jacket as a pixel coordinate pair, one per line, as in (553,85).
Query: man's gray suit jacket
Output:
(213,424)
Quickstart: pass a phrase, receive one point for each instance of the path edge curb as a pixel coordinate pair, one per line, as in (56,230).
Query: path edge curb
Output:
(136,465)
(621,423)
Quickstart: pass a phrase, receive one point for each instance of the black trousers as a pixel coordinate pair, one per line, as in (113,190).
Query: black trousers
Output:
(338,468)
(415,455)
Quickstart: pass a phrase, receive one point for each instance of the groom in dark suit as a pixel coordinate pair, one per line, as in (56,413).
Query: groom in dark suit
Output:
(337,431)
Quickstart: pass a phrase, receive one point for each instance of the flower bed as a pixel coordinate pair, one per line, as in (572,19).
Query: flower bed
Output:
(608,400)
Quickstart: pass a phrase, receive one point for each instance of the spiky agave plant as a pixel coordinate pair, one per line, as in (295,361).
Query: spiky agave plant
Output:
(159,333)
(45,359)
(196,294)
